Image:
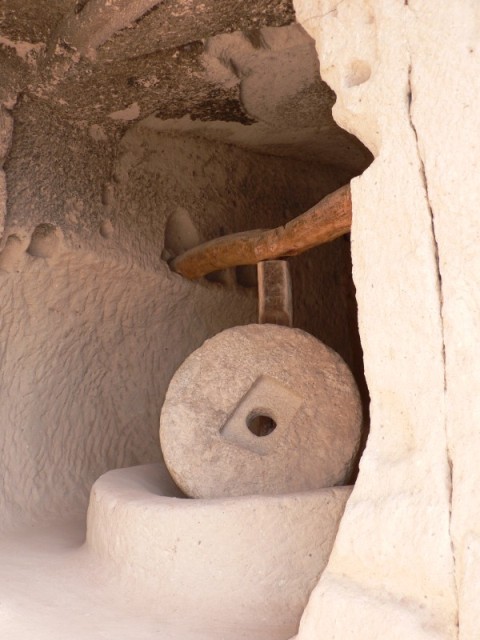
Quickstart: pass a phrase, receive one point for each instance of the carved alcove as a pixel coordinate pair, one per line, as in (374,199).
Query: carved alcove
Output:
(133,132)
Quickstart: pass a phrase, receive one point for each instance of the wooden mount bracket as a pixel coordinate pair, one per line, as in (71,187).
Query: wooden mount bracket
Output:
(274,293)
(326,221)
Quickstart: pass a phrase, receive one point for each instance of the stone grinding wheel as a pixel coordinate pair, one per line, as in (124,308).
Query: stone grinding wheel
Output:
(292,390)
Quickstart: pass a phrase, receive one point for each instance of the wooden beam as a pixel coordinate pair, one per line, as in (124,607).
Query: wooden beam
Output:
(326,221)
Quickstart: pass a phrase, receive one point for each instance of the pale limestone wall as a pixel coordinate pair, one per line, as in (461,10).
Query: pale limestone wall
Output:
(406,560)
(445,112)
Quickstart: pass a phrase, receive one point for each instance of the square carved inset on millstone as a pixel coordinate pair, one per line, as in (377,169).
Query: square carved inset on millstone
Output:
(262,417)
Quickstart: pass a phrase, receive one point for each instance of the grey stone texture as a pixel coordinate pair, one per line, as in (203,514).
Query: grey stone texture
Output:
(284,374)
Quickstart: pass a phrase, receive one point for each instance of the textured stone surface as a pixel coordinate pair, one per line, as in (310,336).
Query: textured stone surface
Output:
(45,241)
(81,183)
(247,561)
(406,78)
(394,572)
(265,370)
(227,64)
(286,105)
(6,127)
(110,199)
(112,213)
(446,118)
(91,332)
(160,24)
(11,256)
(87,350)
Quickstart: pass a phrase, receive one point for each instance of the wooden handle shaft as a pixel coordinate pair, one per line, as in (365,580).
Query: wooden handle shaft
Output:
(326,221)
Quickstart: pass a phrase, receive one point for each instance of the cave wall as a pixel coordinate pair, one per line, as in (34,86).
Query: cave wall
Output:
(406,562)
(91,334)
(6,126)
(94,324)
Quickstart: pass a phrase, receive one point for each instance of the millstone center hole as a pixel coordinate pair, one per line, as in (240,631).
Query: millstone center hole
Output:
(260,424)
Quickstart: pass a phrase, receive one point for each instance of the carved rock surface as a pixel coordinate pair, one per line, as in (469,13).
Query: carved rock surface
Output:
(213,560)
(280,383)
(405,563)
(6,127)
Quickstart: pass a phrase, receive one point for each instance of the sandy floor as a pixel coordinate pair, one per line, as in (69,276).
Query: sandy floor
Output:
(51,589)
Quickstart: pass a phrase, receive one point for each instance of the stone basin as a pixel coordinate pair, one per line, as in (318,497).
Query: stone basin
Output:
(249,558)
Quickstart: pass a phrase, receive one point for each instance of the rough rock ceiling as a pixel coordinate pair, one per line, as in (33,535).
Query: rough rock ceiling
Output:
(237,70)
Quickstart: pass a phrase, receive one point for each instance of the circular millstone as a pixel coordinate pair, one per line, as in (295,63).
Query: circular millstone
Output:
(260,409)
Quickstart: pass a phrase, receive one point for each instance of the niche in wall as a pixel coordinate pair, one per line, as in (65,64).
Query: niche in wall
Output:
(125,184)
(117,162)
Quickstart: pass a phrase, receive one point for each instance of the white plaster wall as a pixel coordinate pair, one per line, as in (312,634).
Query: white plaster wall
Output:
(406,560)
